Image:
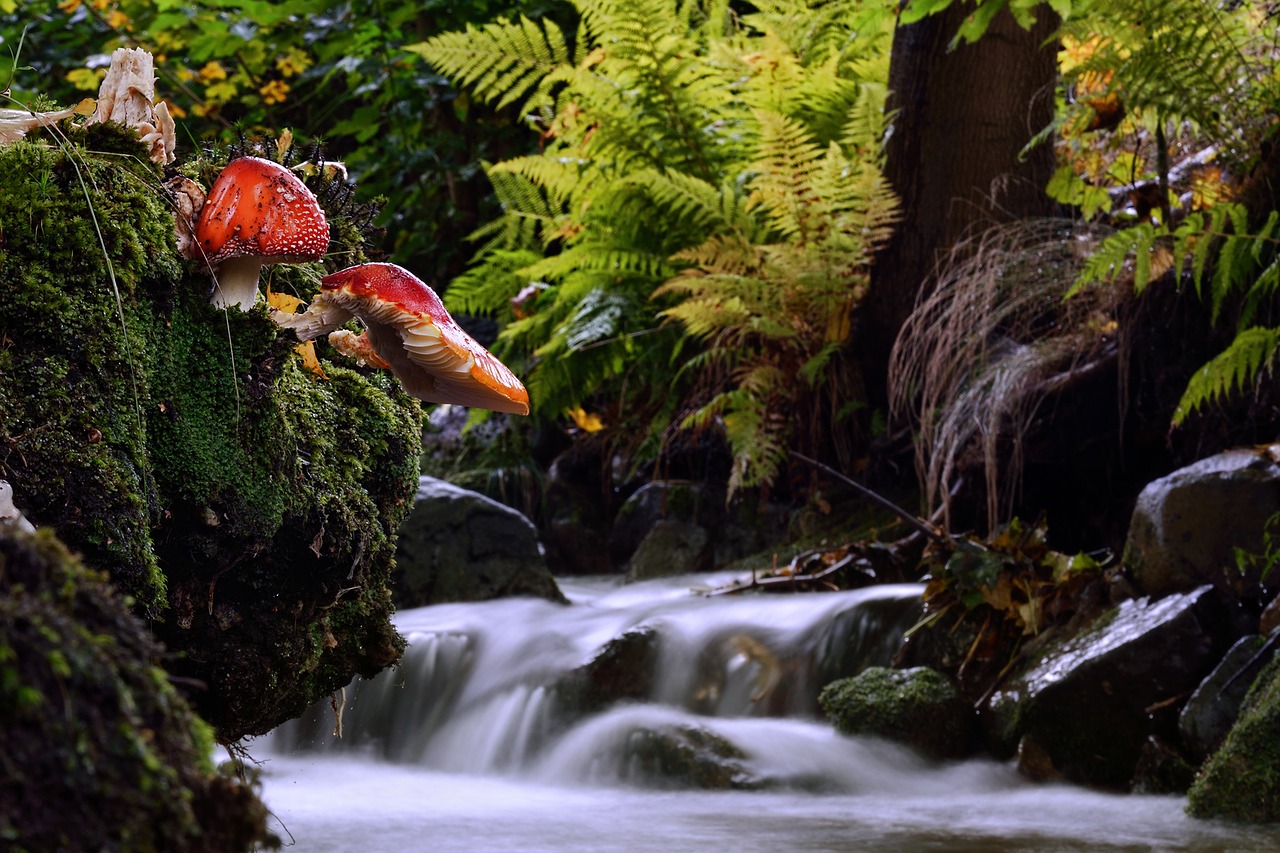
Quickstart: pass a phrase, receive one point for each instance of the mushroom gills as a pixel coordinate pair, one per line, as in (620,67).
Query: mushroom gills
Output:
(435,369)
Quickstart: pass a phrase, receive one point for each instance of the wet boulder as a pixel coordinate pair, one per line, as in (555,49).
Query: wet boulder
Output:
(1188,527)
(1215,705)
(669,527)
(918,707)
(458,545)
(652,503)
(1092,701)
(622,670)
(1241,781)
(671,547)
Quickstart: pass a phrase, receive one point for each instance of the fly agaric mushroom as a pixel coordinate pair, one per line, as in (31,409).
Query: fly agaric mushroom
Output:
(409,328)
(257,213)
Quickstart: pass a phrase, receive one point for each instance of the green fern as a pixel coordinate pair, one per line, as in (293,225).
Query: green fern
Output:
(1232,370)
(502,62)
(700,214)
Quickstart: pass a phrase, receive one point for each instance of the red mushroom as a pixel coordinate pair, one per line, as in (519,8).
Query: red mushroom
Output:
(257,213)
(408,327)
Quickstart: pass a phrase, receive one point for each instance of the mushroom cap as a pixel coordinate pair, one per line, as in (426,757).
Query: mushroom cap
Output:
(257,208)
(428,351)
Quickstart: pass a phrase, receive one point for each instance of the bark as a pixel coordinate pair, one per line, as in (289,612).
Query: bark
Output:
(963,117)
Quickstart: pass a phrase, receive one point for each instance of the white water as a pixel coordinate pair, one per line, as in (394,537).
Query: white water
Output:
(464,747)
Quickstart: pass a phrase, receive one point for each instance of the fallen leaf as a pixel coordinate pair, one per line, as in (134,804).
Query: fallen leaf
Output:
(309,359)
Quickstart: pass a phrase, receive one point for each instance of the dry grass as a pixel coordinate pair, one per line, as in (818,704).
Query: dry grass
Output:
(979,355)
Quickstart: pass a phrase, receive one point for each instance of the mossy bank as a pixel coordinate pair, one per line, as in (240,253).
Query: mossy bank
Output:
(245,503)
(99,751)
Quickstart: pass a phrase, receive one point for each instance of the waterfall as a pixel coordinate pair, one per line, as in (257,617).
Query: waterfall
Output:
(600,688)
(650,718)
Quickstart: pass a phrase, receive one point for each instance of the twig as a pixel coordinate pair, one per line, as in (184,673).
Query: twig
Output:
(914,521)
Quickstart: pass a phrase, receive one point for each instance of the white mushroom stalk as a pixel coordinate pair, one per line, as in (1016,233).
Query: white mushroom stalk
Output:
(10,514)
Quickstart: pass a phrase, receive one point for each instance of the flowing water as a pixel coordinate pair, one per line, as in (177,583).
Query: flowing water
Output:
(484,739)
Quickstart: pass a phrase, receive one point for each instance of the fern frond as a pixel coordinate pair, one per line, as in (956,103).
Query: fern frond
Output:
(560,178)
(727,254)
(601,259)
(501,61)
(1235,368)
(697,204)
(489,284)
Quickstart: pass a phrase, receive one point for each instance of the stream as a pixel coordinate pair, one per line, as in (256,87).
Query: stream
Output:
(470,744)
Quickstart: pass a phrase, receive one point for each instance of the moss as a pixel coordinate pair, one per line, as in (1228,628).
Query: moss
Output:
(919,707)
(283,492)
(247,505)
(132,771)
(72,434)
(1241,781)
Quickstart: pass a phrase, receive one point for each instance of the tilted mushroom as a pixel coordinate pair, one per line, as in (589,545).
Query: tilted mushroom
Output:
(257,213)
(408,327)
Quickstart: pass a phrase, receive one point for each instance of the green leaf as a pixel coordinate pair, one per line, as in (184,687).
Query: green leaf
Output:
(917,10)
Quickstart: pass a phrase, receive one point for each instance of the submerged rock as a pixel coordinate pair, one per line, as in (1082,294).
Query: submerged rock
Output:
(100,752)
(684,756)
(919,707)
(1089,702)
(458,545)
(624,669)
(1241,781)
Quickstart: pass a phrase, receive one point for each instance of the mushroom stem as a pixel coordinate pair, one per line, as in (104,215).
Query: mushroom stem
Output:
(235,283)
(320,318)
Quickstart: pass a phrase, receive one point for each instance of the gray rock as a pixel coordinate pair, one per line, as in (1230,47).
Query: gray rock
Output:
(1187,526)
(653,502)
(1091,702)
(458,545)
(1213,708)
(1238,782)
(671,547)
(623,670)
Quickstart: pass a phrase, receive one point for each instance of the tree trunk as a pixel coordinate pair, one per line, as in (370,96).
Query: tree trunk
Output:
(962,119)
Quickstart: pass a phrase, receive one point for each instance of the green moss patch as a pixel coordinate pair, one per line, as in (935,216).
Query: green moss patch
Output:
(1241,781)
(132,769)
(918,707)
(246,504)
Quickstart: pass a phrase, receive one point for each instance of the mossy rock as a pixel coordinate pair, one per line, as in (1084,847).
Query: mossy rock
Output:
(133,771)
(247,504)
(1241,781)
(73,323)
(918,707)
